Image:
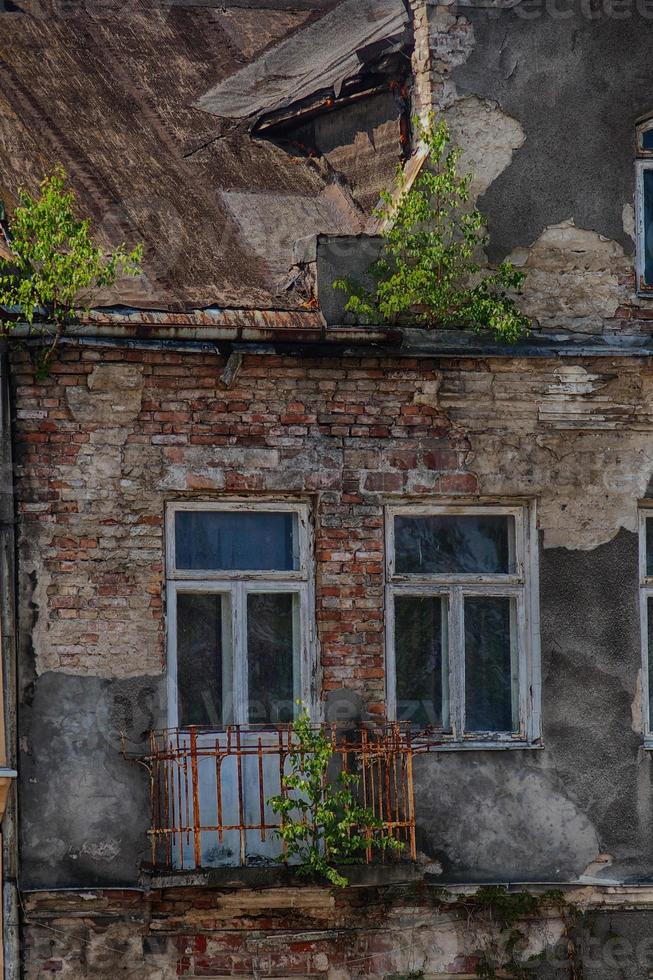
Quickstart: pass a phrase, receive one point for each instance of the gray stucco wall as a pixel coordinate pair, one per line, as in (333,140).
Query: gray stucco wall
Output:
(547,815)
(535,815)
(576,78)
(84,808)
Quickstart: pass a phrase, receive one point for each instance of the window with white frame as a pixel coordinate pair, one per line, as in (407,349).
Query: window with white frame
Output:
(462,621)
(239,601)
(644,198)
(646,609)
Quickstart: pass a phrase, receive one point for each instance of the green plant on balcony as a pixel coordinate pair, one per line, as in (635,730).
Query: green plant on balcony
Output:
(54,264)
(428,273)
(323,826)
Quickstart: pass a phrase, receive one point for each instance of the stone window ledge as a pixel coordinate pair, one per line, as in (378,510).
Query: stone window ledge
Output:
(359,876)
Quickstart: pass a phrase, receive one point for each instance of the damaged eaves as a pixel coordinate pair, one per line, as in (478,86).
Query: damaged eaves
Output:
(305,335)
(325,56)
(186,173)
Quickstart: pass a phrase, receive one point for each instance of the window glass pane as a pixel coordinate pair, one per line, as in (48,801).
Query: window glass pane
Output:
(491,676)
(273,668)
(203,660)
(649,610)
(649,545)
(236,541)
(421,660)
(648,226)
(447,544)
(647,139)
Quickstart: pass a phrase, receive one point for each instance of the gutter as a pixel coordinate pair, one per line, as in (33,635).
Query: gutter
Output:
(347,342)
(214,330)
(8,702)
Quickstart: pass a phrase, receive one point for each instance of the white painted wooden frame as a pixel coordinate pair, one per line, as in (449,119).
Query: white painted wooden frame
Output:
(644,163)
(644,125)
(237,585)
(645,592)
(521,585)
(258,506)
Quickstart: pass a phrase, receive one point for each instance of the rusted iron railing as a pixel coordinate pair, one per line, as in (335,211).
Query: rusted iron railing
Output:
(209,791)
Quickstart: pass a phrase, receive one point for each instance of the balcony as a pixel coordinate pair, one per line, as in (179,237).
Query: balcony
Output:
(209,792)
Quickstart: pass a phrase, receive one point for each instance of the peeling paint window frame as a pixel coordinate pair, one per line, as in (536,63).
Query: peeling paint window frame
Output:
(644,163)
(238,585)
(523,586)
(645,593)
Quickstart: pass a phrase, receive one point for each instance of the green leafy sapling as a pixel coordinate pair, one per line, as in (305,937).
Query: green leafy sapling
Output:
(55,264)
(322,823)
(428,273)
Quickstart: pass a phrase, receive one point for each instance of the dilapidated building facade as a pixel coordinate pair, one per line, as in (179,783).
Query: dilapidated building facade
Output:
(228,497)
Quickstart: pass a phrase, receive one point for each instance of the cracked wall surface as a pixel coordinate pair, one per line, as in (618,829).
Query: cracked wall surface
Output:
(307,931)
(544,106)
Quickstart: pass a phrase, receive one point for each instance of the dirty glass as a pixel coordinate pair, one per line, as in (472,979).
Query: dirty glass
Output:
(454,544)
(203,661)
(649,546)
(421,660)
(491,703)
(272,656)
(649,608)
(648,226)
(236,541)
(647,139)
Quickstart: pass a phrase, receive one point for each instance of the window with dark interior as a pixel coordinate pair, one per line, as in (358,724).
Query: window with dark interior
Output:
(646,611)
(644,199)
(238,613)
(462,653)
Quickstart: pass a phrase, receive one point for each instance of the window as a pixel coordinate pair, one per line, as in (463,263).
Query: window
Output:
(646,609)
(462,623)
(644,198)
(239,599)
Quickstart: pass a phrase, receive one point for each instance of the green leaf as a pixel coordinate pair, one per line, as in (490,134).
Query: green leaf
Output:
(56,267)
(322,822)
(426,273)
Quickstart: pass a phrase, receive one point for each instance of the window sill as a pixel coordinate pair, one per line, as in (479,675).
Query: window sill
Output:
(480,745)
(257,877)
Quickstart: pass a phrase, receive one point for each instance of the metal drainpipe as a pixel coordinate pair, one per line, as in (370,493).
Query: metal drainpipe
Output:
(8,649)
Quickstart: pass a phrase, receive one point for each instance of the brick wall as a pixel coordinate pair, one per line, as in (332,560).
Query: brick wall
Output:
(288,933)
(112,435)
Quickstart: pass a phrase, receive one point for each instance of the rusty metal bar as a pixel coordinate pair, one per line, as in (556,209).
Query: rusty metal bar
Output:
(410,799)
(241,801)
(219,757)
(261,791)
(197,819)
(181,811)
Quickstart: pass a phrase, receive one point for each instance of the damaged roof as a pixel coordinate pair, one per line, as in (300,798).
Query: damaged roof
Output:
(323,56)
(157,111)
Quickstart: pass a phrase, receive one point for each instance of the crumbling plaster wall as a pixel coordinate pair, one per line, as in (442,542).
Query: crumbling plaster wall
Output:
(544,104)
(112,435)
(308,931)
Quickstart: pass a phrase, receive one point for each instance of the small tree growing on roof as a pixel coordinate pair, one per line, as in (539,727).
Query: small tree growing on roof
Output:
(55,266)
(427,274)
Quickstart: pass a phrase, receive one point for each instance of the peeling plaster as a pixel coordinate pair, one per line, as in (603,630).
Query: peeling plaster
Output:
(96,483)
(628,217)
(487,137)
(561,836)
(573,278)
(637,707)
(112,396)
(548,430)
(592,489)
